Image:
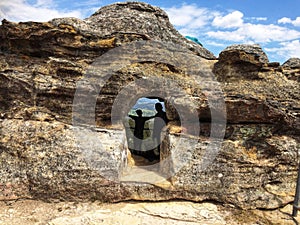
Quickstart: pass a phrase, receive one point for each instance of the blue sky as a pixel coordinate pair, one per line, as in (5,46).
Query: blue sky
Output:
(275,25)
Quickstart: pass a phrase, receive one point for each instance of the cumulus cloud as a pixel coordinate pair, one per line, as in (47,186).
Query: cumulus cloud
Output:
(191,19)
(259,33)
(231,20)
(220,29)
(40,10)
(190,16)
(216,44)
(286,20)
(188,32)
(286,50)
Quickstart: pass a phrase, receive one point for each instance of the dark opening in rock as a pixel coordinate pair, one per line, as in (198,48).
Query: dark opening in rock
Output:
(144,124)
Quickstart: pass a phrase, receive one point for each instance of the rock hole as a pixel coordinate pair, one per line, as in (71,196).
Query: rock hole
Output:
(143,126)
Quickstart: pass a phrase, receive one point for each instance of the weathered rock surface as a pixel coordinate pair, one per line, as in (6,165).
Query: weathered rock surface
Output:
(238,61)
(134,213)
(48,152)
(292,63)
(155,25)
(291,69)
(254,50)
(109,27)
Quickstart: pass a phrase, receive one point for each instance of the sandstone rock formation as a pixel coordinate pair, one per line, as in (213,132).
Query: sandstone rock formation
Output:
(53,146)
(291,68)
(28,212)
(292,63)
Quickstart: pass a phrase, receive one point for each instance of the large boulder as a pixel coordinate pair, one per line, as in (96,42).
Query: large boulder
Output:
(251,49)
(240,61)
(292,63)
(291,68)
(132,20)
(64,83)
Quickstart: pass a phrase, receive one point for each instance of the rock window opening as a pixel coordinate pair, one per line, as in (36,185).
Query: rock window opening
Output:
(143,126)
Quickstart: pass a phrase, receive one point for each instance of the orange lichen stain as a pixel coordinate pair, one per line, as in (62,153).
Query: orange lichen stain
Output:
(175,129)
(130,159)
(68,28)
(104,43)
(251,153)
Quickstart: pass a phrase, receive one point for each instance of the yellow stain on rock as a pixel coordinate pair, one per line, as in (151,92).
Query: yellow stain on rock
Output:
(104,43)
(68,28)
(251,153)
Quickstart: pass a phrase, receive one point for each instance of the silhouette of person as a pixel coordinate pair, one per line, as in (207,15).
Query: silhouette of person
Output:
(160,121)
(139,130)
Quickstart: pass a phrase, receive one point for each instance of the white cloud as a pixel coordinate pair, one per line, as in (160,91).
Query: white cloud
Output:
(43,3)
(259,33)
(88,3)
(219,29)
(216,44)
(189,32)
(190,16)
(258,18)
(286,50)
(196,21)
(286,20)
(42,10)
(233,19)
(227,35)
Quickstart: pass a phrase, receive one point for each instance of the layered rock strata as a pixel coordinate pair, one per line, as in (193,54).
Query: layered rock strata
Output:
(52,146)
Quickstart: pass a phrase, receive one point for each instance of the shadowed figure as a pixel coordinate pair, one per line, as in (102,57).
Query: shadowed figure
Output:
(139,130)
(160,122)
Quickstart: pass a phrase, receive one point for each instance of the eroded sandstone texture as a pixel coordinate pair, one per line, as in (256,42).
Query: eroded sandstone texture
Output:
(45,156)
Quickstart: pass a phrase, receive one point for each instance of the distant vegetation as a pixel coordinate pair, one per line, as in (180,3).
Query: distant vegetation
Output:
(145,103)
(146,112)
(148,108)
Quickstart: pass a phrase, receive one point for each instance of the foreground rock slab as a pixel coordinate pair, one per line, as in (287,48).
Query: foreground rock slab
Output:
(29,212)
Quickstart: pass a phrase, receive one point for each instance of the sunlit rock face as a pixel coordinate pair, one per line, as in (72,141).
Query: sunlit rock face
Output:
(53,146)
